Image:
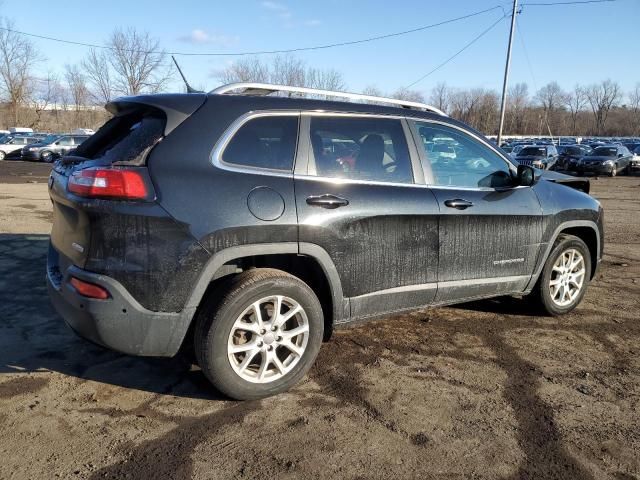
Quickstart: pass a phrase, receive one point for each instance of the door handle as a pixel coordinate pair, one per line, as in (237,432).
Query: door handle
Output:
(327,201)
(458,203)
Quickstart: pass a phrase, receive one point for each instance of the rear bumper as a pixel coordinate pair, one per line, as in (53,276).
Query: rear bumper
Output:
(120,322)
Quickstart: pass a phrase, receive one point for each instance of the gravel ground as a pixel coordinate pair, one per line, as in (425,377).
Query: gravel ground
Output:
(482,390)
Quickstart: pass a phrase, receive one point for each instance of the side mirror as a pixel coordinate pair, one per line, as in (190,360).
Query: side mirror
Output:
(619,155)
(527,176)
(57,143)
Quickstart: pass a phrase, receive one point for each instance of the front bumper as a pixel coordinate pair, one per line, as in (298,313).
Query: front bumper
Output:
(600,168)
(31,155)
(120,322)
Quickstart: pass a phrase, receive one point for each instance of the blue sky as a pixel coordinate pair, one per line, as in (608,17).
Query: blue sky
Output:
(570,44)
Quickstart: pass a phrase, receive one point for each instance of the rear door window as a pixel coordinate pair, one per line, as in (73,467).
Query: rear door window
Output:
(373,149)
(267,142)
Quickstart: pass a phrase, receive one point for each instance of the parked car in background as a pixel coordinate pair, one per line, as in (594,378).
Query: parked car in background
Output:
(569,156)
(608,160)
(52,147)
(538,156)
(635,158)
(15,143)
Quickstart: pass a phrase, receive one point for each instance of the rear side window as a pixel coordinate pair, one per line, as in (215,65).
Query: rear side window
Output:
(373,149)
(125,139)
(264,142)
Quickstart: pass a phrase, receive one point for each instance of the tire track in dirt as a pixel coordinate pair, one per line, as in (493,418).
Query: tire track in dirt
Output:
(169,456)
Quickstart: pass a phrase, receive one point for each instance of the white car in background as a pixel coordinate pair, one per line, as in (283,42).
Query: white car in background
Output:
(635,159)
(12,143)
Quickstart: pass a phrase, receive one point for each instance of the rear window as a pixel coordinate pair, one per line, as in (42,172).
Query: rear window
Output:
(264,142)
(532,151)
(125,138)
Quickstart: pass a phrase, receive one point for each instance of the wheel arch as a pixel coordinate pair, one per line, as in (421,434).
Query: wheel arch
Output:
(309,262)
(586,230)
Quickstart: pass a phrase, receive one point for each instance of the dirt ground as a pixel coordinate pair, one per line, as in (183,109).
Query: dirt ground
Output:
(482,390)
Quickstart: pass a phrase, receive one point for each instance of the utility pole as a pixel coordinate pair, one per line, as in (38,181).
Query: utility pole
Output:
(503,104)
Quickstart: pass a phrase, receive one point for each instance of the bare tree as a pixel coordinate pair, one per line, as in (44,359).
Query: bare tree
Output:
(283,70)
(138,62)
(517,103)
(288,70)
(602,97)
(96,69)
(551,97)
(248,69)
(373,91)
(325,79)
(18,57)
(576,101)
(634,106)
(408,95)
(77,85)
(46,96)
(439,97)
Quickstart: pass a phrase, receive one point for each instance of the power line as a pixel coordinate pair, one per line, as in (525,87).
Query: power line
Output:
(458,52)
(550,4)
(262,52)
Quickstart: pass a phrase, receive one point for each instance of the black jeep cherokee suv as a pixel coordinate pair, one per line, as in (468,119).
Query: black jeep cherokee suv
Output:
(264,221)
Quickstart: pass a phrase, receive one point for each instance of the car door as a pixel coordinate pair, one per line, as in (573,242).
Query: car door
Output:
(489,230)
(624,158)
(360,198)
(63,145)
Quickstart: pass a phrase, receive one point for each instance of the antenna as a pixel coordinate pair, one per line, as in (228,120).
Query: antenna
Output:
(190,89)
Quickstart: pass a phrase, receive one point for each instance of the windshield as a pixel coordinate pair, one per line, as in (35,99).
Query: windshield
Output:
(573,151)
(605,152)
(532,151)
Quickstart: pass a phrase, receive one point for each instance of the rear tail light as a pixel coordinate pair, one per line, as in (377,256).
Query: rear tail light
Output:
(90,290)
(110,182)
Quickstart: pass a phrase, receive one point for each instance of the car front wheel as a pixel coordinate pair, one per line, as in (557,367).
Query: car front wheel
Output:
(2,155)
(260,335)
(46,156)
(565,276)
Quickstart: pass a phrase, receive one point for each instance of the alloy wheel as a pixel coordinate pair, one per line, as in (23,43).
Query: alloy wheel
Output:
(268,339)
(567,277)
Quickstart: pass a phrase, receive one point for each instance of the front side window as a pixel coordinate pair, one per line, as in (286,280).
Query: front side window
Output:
(264,142)
(357,148)
(457,159)
(65,142)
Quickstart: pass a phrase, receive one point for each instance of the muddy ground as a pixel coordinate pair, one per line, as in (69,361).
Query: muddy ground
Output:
(482,390)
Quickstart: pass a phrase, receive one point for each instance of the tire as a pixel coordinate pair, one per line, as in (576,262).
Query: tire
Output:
(614,171)
(2,155)
(543,291)
(217,328)
(46,156)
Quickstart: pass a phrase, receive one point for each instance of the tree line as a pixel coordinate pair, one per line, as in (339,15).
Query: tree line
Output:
(134,62)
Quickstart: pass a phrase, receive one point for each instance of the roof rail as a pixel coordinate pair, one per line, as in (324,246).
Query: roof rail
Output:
(251,88)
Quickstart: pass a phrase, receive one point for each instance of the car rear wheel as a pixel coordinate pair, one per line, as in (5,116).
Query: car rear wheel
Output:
(260,336)
(46,156)
(565,276)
